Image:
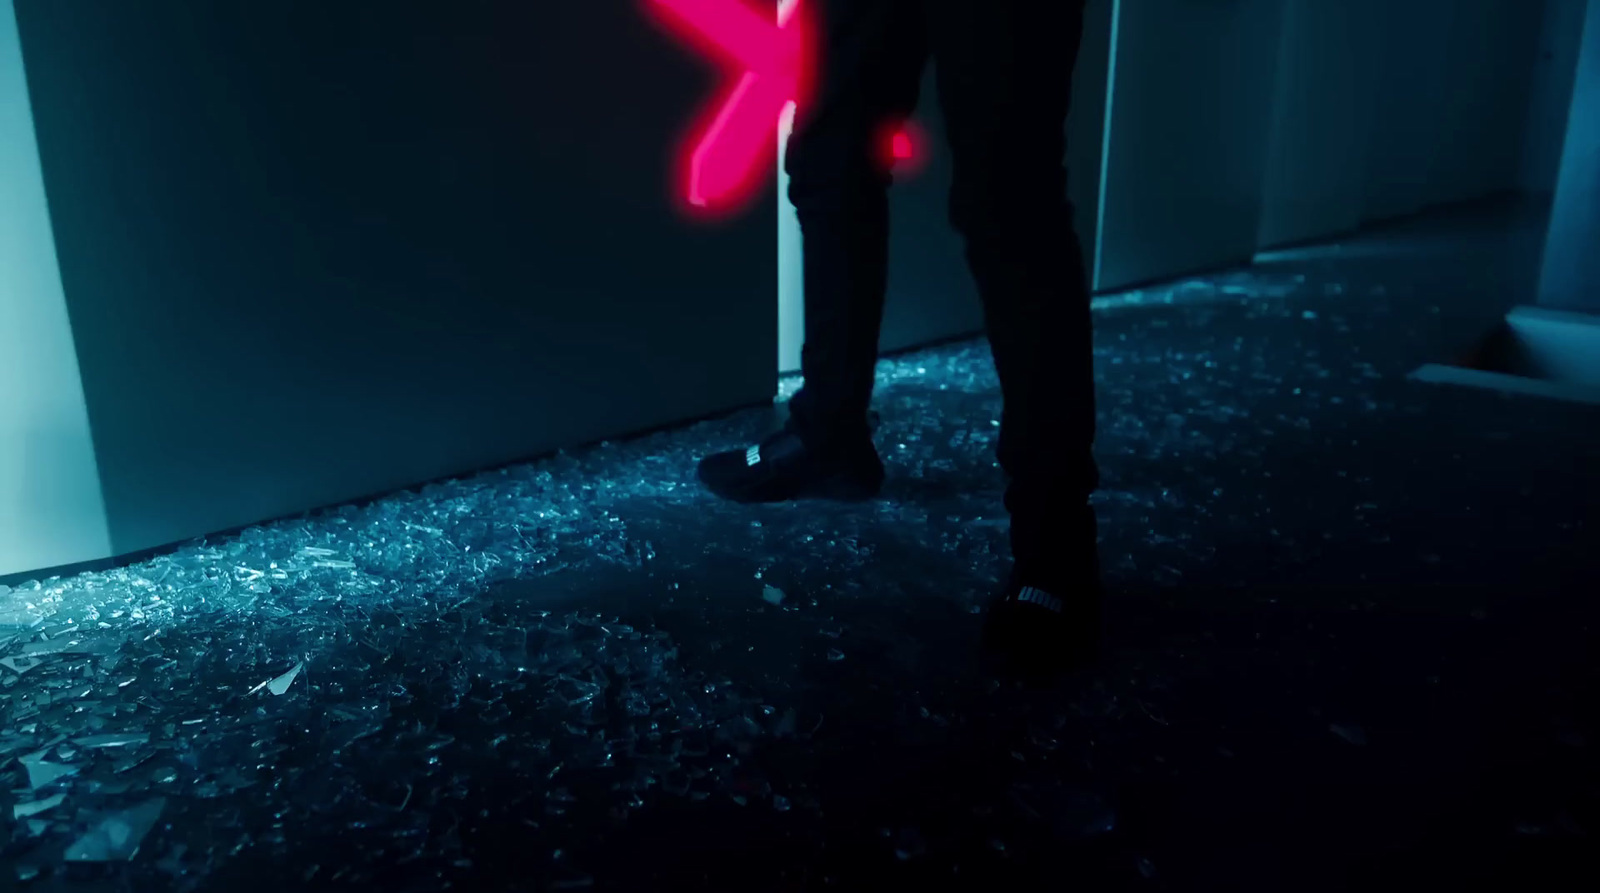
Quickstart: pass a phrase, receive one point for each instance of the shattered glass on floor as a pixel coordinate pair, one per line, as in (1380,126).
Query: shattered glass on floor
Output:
(1344,626)
(353,673)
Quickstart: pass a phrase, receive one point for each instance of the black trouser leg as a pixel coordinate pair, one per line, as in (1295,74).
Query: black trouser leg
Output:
(873,56)
(1004,72)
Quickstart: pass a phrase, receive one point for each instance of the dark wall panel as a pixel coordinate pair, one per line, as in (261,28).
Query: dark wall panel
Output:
(1491,47)
(1406,113)
(1316,164)
(1451,107)
(317,249)
(1191,99)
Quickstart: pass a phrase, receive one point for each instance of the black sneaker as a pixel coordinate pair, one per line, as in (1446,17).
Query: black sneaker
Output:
(1038,630)
(781,468)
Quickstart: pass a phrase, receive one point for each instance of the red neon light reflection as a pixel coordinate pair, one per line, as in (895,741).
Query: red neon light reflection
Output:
(769,63)
(900,146)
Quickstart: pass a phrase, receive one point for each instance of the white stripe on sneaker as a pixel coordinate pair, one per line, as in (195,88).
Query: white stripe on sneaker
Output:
(1041,598)
(752,456)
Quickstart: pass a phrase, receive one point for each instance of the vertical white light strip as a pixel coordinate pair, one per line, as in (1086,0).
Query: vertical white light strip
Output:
(791,269)
(791,275)
(51,510)
(1105,143)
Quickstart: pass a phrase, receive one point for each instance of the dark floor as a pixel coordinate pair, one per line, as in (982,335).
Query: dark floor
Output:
(1352,626)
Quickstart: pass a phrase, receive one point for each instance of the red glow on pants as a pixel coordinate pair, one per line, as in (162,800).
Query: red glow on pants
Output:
(900,146)
(730,153)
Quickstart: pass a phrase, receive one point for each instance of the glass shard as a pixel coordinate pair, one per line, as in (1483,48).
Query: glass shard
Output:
(116,838)
(23,810)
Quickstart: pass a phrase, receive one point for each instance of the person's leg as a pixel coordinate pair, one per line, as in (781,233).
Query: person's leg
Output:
(1005,73)
(872,56)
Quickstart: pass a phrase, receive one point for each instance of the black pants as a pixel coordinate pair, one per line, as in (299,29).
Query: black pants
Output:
(1004,71)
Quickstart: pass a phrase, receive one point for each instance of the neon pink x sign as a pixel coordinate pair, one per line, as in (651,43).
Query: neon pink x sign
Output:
(769,60)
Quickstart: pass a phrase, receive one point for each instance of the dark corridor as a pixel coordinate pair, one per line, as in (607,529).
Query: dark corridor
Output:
(1352,626)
